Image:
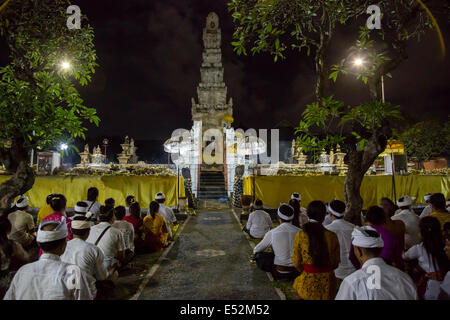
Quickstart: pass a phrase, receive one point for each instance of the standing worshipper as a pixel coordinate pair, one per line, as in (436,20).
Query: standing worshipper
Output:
(93,205)
(427,210)
(376,280)
(84,254)
(278,262)
(259,221)
(49,278)
(22,223)
(108,239)
(127,230)
(9,249)
(46,210)
(343,229)
(431,258)
(316,255)
(396,227)
(411,221)
(166,212)
(438,209)
(392,251)
(129,200)
(155,229)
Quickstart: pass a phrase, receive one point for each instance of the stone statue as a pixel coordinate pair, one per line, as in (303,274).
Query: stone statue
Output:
(86,148)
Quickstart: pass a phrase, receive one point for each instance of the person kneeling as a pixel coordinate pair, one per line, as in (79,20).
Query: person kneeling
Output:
(376,280)
(279,262)
(155,229)
(259,221)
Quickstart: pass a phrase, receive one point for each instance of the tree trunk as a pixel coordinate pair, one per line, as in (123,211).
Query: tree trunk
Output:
(15,160)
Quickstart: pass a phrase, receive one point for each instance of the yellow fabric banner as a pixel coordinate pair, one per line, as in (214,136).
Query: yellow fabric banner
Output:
(75,189)
(273,190)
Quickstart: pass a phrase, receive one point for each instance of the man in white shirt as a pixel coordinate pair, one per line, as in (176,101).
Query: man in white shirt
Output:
(93,205)
(22,223)
(166,212)
(411,221)
(343,230)
(83,254)
(108,239)
(427,210)
(259,221)
(376,280)
(49,278)
(279,262)
(127,232)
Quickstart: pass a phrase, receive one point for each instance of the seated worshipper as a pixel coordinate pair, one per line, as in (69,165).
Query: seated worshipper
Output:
(391,252)
(9,250)
(127,230)
(22,222)
(84,254)
(93,205)
(278,262)
(58,204)
(110,202)
(155,229)
(303,217)
(80,210)
(167,213)
(316,255)
(259,221)
(376,280)
(396,227)
(438,209)
(343,229)
(128,201)
(431,258)
(108,239)
(411,221)
(46,210)
(427,210)
(300,218)
(49,278)
(135,219)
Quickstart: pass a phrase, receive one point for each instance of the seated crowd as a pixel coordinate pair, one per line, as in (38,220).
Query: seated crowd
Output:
(396,255)
(77,257)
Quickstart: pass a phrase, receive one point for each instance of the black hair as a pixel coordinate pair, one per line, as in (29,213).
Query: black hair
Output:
(135,210)
(296,205)
(259,203)
(110,202)
(81,232)
(391,204)
(160,200)
(154,206)
(318,248)
(106,213)
(52,245)
(430,229)
(376,216)
(50,196)
(338,206)
(92,194)
(119,212)
(5,243)
(58,203)
(438,201)
(129,200)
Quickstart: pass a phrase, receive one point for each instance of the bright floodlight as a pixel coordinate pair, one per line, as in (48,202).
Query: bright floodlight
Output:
(358,62)
(63,146)
(65,65)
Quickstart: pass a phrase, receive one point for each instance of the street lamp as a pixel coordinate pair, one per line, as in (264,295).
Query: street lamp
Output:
(105,144)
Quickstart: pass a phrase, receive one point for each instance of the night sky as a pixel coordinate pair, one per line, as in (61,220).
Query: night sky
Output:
(150,55)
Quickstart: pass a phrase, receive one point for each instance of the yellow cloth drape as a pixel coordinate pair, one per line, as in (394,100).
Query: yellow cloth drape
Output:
(273,190)
(75,189)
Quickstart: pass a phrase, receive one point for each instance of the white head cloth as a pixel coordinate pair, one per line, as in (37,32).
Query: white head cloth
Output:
(333,212)
(313,221)
(60,232)
(160,196)
(282,216)
(405,201)
(296,196)
(80,209)
(427,197)
(363,240)
(81,224)
(22,202)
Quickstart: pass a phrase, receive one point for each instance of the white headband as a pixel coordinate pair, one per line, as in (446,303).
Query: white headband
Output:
(60,232)
(160,196)
(24,203)
(427,197)
(313,221)
(407,201)
(361,239)
(80,209)
(335,213)
(282,216)
(81,224)
(299,198)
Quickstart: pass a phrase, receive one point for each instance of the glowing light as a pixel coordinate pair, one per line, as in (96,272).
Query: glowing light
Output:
(65,65)
(63,146)
(358,62)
